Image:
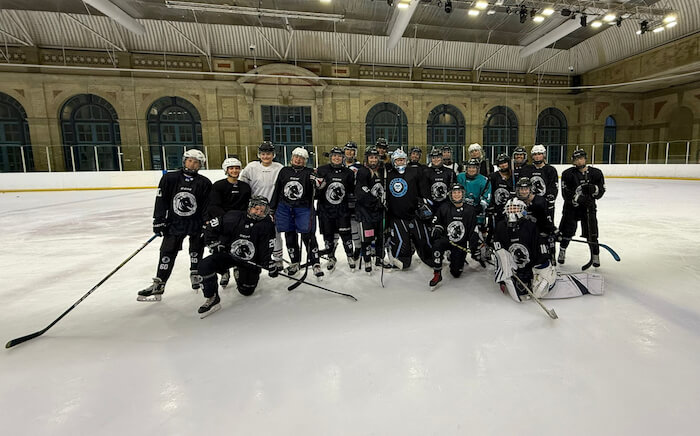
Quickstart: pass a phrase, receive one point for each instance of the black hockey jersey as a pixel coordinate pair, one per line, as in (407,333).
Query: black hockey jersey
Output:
(369,191)
(243,237)
(524,242)
(538,210)
(521,171)
(501,190)
(576,185)
(227,196)
(338,183)
(403,193)
(437,183)
(458,223)
(181,202)
(293,187)
(545,182)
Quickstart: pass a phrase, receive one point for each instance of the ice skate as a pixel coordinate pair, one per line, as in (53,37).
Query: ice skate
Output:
(368,268)
(153,292)
(595,260)
(351,264)
(330,265)
(435,281)
(277,267)
(317,272)
(225,278)
(210,306)
(293,268)
(195,280)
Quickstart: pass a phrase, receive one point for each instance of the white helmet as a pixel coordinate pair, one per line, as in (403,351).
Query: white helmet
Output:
(230,162)
(514,210)
(474,146)
(399,154)
(195,154)
(539,148)
(301,151)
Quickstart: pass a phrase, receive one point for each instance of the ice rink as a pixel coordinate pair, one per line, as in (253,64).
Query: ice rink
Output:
(463,360)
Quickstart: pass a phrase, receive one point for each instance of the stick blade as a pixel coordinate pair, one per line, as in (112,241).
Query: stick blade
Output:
(552,314)
(26,338)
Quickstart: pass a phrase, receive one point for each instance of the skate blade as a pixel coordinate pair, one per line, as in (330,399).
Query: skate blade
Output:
(223,284)
(150,298)
(433,288)
(214,308)
(319,278)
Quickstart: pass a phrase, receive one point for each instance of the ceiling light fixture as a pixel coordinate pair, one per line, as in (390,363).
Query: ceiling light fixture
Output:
(609,17)
(669,18)
(538,18)
(658,29)
(403,5)
(473,12)
(547,11)
(671,24)
(481,4)
(596,24)
(241,10)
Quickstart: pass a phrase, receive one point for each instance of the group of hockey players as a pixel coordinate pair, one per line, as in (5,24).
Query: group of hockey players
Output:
(382,211)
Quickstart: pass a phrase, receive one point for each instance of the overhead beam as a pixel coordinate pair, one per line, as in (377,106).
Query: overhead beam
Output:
(272,46)
(112,11)
(550,38)
(95,33)
(400,23)
(14,38)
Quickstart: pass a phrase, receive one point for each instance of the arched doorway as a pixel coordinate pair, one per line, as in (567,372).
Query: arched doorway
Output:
(174,125)
(15,145)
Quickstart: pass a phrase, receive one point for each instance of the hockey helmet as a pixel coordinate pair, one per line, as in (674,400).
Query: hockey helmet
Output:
(254,212)
(435,152)
(578,153)
(381,143)
(416,150)
(230,162)
(502,158)
(456,187)
(539,148)
(396,155)
(266,147)
(514,210)
(301,152)
(350,145)
(194,154)
(523,183)
(474,146)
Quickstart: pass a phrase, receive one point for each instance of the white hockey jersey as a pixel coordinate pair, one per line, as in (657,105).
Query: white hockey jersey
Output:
(261,178)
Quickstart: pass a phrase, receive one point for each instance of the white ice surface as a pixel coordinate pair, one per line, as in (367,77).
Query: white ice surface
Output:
(464,359)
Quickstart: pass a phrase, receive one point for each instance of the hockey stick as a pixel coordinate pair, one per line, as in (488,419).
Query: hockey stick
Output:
(552,314)
(300,281)
(612,252)
(18,341)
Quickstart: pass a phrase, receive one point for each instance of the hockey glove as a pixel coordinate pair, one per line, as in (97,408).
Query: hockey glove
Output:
(160,227)
(319,182)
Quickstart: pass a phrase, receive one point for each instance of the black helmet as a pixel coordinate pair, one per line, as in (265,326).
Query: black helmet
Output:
(578,153)
(457,187)
(266,146)
(371,151)
(416,150)
(350,145)
(502,158)
(258,200)
(473,162)
(524,182)
(519,150)
(381,143)
(435,152)
(447,148)
(335,150)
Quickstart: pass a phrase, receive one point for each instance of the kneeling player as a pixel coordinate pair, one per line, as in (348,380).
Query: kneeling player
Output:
(454,229)
(240,239)
(520,250)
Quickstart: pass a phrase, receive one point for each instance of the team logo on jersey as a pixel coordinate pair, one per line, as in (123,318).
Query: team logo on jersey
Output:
(335,193)
(538,186)
(184,204)
(378,192)
(399,187)
(455,231)
(242,248)
(520,253)
(293,190)
(502,195)
(439,191)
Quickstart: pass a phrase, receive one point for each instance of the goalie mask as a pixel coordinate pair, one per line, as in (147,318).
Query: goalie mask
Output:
(398,160)
(514,211)
(258,208)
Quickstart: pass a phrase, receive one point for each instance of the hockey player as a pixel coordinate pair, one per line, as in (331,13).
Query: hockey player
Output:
(228,194)
(179,210)
(476,152)
(237,238)
(501,186)
(292,203)
(581,186)
(519,249)
(382,147)
(261,176)
(437,180)
(453,229)
(336,182)
(414,158)
(520,166)
(404,203)
(544,178)
(350,151)
(477,188)
(370,194)
(447,161)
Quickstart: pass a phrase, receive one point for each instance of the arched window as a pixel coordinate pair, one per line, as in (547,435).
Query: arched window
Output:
(551,132)
(446,127)
(609,138)
(173,126)
(500,131)
(287,127)
(14,136)
(388,121)
(90,127)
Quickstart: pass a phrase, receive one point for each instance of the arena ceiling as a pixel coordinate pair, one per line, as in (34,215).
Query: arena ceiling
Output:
(363,31)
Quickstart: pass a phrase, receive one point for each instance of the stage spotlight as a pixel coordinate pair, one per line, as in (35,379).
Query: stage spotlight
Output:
(618,22)
(643,27)
(448,6)
(584,20)
(390,2)
(565,12)
(523,14)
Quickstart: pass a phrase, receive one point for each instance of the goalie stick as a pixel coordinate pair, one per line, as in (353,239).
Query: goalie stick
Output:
(552,314)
